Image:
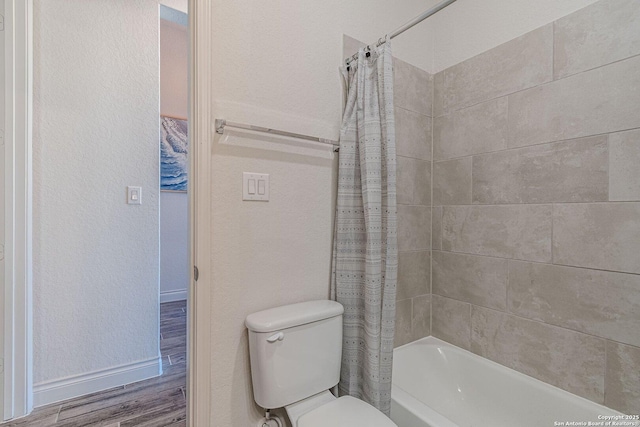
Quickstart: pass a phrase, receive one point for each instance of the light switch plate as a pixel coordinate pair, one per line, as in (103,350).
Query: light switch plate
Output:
(134,195)
(255,186)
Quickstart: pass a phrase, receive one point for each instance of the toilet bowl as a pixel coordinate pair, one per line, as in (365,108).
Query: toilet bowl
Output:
(327,410)
(295,353)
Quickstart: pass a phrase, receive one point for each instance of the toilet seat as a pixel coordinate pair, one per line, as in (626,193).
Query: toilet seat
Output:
(345,411)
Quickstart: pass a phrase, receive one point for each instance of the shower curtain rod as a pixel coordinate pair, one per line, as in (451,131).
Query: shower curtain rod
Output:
(418,19)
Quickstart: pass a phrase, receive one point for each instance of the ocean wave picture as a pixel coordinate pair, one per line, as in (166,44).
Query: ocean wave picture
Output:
(173,154)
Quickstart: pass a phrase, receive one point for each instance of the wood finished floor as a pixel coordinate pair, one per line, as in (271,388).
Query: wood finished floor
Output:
(159,401)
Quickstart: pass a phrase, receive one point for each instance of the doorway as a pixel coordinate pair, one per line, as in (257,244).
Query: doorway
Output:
(199,308)
(91,244)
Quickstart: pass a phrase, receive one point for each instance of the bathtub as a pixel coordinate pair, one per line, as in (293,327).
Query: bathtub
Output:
(436,384)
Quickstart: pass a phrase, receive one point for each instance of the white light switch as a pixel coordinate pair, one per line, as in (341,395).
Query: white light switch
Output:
(134,195)
(255,186)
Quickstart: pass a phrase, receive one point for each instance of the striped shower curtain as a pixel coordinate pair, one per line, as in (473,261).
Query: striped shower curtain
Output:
(365,254)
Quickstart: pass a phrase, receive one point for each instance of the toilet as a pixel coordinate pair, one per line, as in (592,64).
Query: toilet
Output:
(295,355)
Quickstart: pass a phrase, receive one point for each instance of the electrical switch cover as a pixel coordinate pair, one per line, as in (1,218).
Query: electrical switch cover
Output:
(255,186)
(134,195)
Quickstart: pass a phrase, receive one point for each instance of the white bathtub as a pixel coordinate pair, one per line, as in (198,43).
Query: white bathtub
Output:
(436,384)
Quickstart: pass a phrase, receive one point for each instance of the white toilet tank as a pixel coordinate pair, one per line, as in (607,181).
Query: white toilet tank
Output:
(295,351)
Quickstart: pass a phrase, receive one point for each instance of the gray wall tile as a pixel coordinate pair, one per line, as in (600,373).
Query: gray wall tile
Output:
(451,321)
(624,173)
(438,95)
(452,182)
(518,64)
(413,134)
(436,228)
(414,271)
(414,181)
(478,129)
(586,130)
(421,321)
(601,235)
(604,32)
(470,278)
(567,359)
(413,87)
(622,386)
(403,323)
(516,231)
(568,171)
(414,228)
(594,102)
(601,303)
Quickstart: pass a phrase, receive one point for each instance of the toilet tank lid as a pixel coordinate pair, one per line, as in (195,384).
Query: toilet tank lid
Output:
(288,316)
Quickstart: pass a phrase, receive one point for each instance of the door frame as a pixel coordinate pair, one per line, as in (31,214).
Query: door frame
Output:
(200,139)
(18,344)
(18,347)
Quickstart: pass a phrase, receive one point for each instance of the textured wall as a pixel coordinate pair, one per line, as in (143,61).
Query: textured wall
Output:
(537,217)
(174,215)
(280,70)
(281,58)
(95,258)
(174,68)
(174,246)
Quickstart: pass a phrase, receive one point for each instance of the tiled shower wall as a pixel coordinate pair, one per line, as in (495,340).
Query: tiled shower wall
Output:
(536,195)
(413,93)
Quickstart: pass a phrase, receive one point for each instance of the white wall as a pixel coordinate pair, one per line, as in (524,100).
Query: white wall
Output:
(174,249)
(181,5)
(278,61)
(174,67)
(276,64)
(96,259)
(469,27)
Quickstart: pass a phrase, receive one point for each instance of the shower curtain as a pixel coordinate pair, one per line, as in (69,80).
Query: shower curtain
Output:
(365,254)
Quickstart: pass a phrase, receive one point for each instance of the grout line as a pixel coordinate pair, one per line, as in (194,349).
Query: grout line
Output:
(395,107)
(506,294)
(470,324)
(412,158)
(539,262)
(553,215)
(553,50)
(433,92)
(471,179)
(604,376)
(551,325)
(464,107)
(537,144)
(609,167)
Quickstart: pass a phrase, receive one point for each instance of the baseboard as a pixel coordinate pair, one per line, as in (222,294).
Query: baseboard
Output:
(173,296)
(79,385)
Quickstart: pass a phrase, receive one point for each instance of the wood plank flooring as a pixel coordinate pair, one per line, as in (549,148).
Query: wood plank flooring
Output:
(159,401)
